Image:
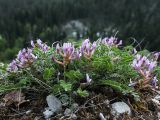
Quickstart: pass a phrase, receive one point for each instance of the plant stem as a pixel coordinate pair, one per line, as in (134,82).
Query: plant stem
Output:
(64,70)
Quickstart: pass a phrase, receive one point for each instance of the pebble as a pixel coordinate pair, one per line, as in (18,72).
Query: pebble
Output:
(157,97)
(101,116)
(67,112)
(120,108)
(73,116)
(54,103)
(48,113)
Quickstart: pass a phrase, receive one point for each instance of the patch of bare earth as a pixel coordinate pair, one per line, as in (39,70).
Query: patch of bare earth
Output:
(30,105)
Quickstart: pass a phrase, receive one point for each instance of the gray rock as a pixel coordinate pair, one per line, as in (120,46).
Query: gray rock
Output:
(158,92)
(101,116)
(54,103)
(28,112)
(120,108)
(67,112)
(47,114)
(158,115)
(73,116)
(157,97)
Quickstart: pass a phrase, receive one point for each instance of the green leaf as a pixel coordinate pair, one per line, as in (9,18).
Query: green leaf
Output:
(48,72)
(73,75)
(57,89)
(8,87)
(66,86)
(102,63)
(23,81)
(117,86)
(82,93)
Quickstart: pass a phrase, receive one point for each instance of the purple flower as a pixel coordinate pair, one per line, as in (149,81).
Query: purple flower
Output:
(45,48)
(134,51)
(67,51)
(41,45)
(135,64)
(154,82)
(144,66)
(152,65)
(156,55)
(138,57)
(25,57)
(87,49)
(32,43)
(12,67)
(39,42)
(78,54)
(88,79)
(84,44)
(58,48)
(120,43)
(112,41)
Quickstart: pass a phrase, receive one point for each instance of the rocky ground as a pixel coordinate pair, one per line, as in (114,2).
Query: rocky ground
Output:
(106,104)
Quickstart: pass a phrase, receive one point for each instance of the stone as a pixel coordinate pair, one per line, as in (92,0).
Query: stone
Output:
(54,103)
(47,113)
(157,97)
(67,112)
(156,101)
(120,108)
(28,112)
(101,116)
(158,115)
(158,92)
(73,116)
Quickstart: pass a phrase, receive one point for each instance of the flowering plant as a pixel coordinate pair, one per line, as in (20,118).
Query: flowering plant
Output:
(145,67)
(24,58)
(111,41)
(69,69)
(67,52)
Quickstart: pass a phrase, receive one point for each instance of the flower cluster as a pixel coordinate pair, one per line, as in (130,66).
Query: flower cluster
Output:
(24,58)
(12,67)
(112,41)
(66,53)
(43,46)
(156,55)
(69,53)
(87,49)
(145,67)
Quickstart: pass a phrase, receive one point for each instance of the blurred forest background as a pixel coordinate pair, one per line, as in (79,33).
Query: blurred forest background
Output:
(55,20)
